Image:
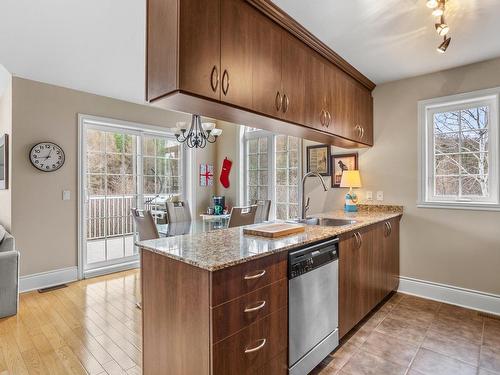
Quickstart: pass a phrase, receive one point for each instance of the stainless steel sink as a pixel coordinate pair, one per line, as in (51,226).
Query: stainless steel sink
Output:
(325,222)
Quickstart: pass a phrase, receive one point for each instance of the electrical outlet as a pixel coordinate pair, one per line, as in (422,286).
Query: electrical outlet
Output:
(66,195)
(380,195)
(369,195)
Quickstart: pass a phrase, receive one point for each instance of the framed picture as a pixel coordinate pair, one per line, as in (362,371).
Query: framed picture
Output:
(318,159)
(341,163)
(4,162)
(206,175)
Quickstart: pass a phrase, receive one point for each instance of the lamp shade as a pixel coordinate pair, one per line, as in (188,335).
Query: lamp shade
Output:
(350,179)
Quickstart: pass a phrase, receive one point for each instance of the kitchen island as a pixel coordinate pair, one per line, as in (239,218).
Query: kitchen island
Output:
(217,302)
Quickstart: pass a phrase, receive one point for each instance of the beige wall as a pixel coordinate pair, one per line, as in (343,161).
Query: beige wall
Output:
(227,146)
(6,128)
(455,247)
(44,225)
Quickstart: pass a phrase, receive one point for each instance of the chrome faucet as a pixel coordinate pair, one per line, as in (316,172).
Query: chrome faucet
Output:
(305,206)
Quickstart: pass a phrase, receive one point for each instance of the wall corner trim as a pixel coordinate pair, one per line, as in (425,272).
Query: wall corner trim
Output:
(46,279)
(472,299)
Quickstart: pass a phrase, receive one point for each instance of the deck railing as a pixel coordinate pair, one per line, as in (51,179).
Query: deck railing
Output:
(110,216)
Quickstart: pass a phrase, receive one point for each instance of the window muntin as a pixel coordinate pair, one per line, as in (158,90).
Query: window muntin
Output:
(459,151)
(272,171)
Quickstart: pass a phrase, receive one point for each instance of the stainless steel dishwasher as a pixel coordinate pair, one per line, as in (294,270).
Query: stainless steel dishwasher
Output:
(313,305)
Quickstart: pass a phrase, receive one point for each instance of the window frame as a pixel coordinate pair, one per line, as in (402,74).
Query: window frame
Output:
(426,111)
(271,163)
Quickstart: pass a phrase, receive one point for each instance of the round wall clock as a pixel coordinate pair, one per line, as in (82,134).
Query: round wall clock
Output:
(47,156)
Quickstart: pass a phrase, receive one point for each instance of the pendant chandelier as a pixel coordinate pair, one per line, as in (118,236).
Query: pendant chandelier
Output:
(198,134)
(438,8)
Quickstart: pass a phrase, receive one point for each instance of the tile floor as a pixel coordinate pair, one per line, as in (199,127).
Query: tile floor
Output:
(413,336)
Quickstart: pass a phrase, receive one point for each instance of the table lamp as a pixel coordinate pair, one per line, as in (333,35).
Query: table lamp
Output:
(351,179)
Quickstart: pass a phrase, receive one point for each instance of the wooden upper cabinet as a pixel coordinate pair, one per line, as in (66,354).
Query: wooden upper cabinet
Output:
(162,63)
(363,115)
(294,74)
(228,59)
(266,66)
(199,47)
(237,25)
(317,93)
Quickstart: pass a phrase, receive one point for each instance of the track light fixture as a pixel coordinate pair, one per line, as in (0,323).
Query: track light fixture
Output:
(442,28)
(444,46)
(432,4)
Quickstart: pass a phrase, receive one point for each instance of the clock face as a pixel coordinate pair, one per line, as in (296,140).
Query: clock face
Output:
(47,156)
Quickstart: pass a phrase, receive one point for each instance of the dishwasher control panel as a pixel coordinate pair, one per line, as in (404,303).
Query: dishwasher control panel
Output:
(306,260)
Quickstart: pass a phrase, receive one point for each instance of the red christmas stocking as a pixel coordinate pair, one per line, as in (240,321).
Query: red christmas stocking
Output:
(224,174)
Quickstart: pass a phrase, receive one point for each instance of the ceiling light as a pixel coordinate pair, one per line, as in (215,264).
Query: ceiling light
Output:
(432,4)
(438,12)
(442,28)
(444,46)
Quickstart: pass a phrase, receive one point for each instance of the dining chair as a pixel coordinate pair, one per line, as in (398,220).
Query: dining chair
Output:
(263,209)
(178,212)
(242,216)
(146,230)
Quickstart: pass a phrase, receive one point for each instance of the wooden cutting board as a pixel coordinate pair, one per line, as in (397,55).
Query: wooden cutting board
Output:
(274,230)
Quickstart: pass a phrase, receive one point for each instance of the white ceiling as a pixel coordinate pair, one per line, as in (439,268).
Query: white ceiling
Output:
(98,45)
(392,39)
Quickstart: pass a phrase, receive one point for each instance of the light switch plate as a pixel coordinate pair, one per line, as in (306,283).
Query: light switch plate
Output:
(66,195)
(380,195)
(369,195)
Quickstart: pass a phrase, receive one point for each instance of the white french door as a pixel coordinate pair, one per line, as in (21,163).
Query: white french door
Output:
(121,167)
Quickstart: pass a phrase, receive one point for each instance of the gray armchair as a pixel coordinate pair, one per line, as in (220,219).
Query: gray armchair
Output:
(9,275)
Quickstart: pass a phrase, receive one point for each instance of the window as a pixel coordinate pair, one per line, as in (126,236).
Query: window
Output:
(459,151)
(272,171)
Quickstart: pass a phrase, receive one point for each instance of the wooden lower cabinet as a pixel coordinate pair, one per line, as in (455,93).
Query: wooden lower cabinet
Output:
(231,321)
(253,347)
(368,270)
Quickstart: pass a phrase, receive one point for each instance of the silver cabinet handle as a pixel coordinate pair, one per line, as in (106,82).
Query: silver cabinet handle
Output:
(329,118)
(286,103)
(362,132)
(214,79)
(386,224)
(256,348)
(225,78)
(255,308)
(256,276)
(322,117)
(390,227)
(277,101)
(357,236)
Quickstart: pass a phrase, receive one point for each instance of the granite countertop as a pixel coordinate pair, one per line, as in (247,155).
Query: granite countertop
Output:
(219,249)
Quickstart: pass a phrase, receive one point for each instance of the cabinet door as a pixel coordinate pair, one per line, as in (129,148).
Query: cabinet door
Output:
(199,47)
(294,75)
(350,283)
(266,66)
(343,105)
(394,255)
(236,52)
(317,94)
(368,270)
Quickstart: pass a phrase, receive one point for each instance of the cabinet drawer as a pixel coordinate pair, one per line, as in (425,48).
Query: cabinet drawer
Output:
(252,348)
(233,282)
(276,366)
(234,315)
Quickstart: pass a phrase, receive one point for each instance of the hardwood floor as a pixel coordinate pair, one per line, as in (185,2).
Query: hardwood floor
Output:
(90,327)
(93,327)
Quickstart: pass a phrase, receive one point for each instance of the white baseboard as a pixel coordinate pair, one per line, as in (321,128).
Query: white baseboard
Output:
(472,299)
(47,279)
(111,269)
